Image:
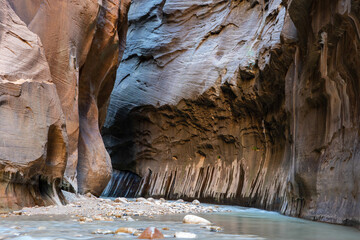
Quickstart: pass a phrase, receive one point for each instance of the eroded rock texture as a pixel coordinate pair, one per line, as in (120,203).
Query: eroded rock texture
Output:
(57,69)
(32,125)
(248,102)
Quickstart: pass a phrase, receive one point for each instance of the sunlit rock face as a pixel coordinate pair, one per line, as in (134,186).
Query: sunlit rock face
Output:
(248,102)
(33,148)
(57,69)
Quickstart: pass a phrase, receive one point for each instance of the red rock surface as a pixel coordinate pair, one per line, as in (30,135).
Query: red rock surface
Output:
(151,233)
(57,69)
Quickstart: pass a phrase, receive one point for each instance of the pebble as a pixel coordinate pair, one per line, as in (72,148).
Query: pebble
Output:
(180,200)
(140,199)
(192,219)
(151,233)
(213,228)
(85,219)
(18,213)
(121,200)
(89,195)
(100,231)
(185,235)
(127,218)
(126,230)
(196,202)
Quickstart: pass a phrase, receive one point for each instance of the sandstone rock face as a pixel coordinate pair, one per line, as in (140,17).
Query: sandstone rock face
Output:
(248,102)
(57,69)
(33,149)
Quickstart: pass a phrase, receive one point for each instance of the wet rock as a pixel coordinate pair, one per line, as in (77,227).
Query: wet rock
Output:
(126,230)
(121,200)
(213,228)
(184,235)
(196,202)
(17,213)
(128,218)
(180,201)
(101,231)
(192,219)
(85,219)
(89,195)
(151,233)
(98,218)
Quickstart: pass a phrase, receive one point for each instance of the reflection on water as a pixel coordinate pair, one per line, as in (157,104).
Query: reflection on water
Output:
(273,226)
(241,223)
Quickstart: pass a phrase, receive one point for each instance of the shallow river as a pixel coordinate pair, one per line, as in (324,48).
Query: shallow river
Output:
(240,223)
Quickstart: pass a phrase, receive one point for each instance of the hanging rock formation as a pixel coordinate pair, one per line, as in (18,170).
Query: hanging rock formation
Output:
(57,69)
(248,102)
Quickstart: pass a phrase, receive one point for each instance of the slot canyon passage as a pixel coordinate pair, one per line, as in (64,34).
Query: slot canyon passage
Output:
(254,103)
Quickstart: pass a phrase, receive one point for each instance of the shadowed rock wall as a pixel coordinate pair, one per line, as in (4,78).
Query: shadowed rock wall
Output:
(248,102)
(57,69)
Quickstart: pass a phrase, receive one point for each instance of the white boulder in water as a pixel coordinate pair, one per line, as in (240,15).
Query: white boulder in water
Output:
(192,219)
(185,235)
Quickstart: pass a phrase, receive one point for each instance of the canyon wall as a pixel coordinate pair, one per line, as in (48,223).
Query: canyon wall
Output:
(247,102)
(57,69)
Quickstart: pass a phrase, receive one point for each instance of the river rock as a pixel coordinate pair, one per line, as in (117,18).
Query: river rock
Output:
(85,219)
(151,233)
(184,235)
(196,202)
(192,219)
(101,231)
(121,200)
(126,230)
(128,218)
(213,228)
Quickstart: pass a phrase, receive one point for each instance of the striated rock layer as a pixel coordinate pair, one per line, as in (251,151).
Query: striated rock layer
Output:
(247,102)
(57,69)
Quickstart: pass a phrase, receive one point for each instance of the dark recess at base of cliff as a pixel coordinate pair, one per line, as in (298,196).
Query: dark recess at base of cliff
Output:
(122,184)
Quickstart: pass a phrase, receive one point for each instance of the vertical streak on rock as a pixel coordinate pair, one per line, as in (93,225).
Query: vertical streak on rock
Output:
(66,29)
